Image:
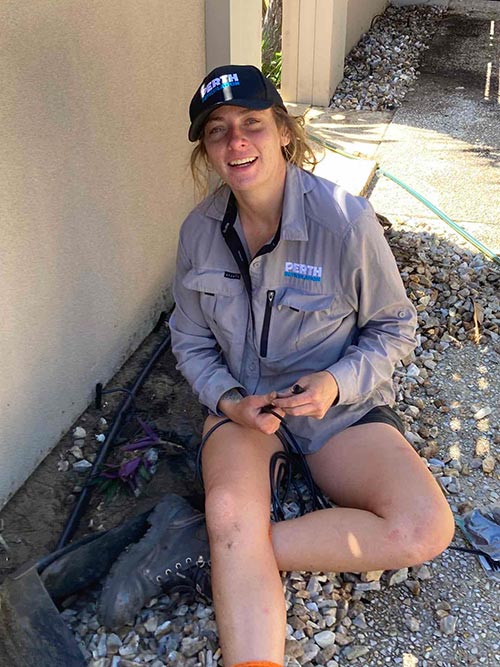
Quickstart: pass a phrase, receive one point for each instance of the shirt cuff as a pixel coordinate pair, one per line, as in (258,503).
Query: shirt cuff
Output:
(239,388)
(345,377)
(212,398)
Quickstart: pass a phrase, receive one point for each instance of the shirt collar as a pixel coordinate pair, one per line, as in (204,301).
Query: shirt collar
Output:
(293,223)
(216,203)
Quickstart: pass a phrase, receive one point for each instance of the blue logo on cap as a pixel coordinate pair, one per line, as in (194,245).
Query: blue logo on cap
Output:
(219,83)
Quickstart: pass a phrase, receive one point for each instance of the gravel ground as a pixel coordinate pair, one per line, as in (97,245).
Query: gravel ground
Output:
(381,67)
(440,613)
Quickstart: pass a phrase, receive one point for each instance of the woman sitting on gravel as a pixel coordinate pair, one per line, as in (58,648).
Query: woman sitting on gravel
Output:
(287,298)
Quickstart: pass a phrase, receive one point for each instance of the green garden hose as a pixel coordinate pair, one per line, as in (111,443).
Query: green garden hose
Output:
(460,230)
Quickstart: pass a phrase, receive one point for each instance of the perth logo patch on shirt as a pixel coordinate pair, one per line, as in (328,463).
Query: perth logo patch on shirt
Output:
(303,271)
(231,275)
(223,82)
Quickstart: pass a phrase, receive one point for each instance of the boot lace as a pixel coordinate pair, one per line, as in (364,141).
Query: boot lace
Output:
(190,580)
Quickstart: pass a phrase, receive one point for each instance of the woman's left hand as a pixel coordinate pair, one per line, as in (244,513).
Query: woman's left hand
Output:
(320,391)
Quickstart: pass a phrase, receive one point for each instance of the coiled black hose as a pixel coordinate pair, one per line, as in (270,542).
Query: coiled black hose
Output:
(282,468)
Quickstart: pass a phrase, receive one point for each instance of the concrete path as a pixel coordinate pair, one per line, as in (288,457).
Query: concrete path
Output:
(357,133)
(444,141)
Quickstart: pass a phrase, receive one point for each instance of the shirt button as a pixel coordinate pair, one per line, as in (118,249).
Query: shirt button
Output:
(252,366)
(401,313)
(256,264)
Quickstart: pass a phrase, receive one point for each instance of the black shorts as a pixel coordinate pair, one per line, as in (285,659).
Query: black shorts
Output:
(382,414)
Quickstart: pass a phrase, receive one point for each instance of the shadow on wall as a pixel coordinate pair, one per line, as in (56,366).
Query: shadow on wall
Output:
(90,177)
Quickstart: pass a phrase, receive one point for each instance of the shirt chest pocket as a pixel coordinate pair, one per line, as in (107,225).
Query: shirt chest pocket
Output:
(221,300)
(296,321)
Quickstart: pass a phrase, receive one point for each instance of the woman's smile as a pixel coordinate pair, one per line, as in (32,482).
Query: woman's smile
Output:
(242,162)
(244,146)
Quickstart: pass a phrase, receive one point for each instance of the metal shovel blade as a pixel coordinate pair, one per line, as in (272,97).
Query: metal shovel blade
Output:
(32,633)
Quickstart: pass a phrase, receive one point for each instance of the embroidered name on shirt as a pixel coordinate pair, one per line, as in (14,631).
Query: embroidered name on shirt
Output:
(303,271)
(232,276)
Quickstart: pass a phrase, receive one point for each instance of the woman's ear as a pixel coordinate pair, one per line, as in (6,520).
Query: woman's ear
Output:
(285,136)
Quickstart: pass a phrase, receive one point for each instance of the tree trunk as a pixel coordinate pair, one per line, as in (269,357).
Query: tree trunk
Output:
(271,30)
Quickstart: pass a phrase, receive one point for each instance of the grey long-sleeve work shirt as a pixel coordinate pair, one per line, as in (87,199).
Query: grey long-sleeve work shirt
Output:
(327,297)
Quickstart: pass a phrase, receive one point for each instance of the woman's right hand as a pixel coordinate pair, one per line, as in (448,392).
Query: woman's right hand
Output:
(247,411)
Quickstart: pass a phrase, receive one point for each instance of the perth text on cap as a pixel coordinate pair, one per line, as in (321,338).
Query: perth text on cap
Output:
(225,81)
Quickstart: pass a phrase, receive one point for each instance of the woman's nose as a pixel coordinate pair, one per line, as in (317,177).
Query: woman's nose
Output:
(236,136)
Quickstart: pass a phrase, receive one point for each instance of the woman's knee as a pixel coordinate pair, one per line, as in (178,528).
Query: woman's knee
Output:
(441,531)
(232,514)
(424,534)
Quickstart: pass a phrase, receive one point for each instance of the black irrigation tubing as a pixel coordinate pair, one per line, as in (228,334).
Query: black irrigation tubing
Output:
(83,499)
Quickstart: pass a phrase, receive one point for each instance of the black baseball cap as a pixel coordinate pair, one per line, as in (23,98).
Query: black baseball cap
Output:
(236,85)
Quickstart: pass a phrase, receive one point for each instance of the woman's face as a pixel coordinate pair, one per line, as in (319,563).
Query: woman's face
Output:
(244,147)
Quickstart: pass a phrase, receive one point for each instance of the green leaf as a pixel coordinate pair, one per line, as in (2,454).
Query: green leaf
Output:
(144,473)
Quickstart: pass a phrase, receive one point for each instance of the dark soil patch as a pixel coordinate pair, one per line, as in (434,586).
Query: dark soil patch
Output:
(32,522)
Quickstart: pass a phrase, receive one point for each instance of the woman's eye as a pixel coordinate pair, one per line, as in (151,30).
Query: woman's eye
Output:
(215,130)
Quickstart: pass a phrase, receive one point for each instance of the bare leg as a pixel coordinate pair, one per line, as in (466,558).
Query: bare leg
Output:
(392,513)
(246,583)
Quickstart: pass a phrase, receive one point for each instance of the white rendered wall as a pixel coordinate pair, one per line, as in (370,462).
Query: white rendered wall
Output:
(233,32)
(314,33)
(359,17)
(94,185)
(317,34)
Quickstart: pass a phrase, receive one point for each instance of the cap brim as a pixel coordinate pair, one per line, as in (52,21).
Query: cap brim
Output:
(197,125)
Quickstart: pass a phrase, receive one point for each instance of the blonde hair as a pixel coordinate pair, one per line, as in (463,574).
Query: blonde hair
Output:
(298,151)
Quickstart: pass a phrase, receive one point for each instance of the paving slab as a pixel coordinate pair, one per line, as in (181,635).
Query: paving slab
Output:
(354,132)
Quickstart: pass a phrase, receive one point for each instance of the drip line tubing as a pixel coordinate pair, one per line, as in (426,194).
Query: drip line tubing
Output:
(84,496)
